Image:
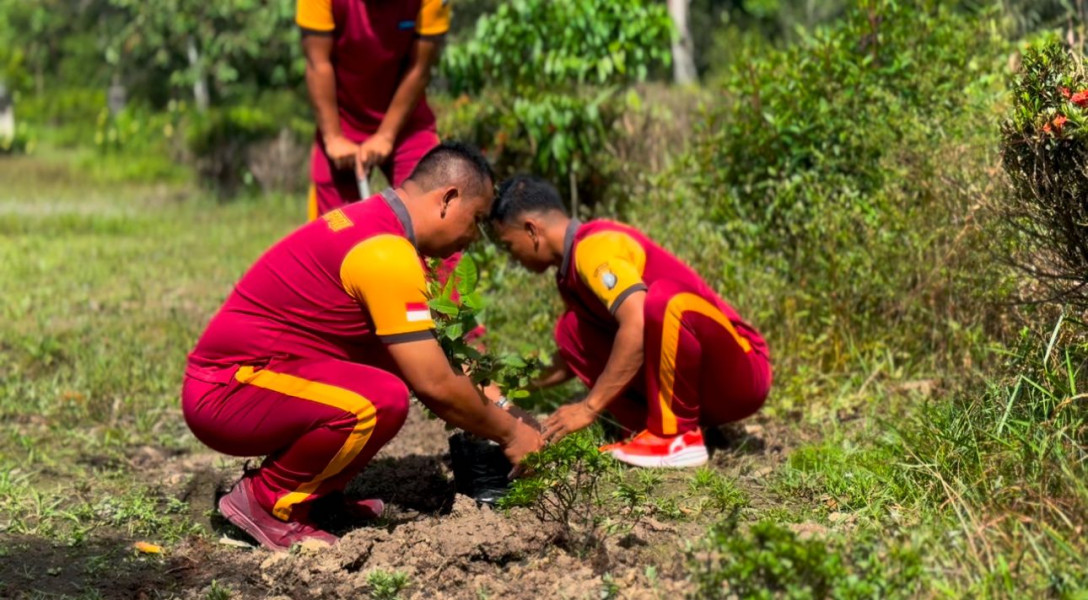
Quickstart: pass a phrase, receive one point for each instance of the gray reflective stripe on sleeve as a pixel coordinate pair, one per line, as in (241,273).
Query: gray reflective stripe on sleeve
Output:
(638,287)
(318,32)
(413,336)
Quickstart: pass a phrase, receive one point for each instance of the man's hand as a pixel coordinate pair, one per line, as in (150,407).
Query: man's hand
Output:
(373,153)
(525,440)
(568,419)
(341,151)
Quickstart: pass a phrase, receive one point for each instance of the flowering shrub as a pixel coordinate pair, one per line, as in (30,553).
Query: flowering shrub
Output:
(1045,153)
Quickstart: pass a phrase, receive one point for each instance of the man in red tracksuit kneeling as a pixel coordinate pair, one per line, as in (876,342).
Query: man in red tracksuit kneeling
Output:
(656,346)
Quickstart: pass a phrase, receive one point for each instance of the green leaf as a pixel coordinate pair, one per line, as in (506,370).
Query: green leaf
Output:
(444,306)
(474,301)
(466,274)
(454,331)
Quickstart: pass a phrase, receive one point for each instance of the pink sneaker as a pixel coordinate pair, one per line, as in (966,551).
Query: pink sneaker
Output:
(364,508)
(240,507)
(649,450)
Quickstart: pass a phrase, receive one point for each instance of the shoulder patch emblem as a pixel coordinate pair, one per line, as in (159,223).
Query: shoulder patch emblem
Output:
(337,220)
(607,277)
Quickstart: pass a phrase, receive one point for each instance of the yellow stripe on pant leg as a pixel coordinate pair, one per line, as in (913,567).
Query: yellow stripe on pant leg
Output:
(311,204)
(329,395)
(670,344)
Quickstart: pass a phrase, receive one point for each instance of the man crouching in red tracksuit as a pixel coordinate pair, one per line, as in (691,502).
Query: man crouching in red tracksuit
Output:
(656,346)
(310,359)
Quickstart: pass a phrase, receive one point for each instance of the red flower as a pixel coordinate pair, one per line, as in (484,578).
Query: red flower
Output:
(1064,92)
(1055,125)
(1080,98)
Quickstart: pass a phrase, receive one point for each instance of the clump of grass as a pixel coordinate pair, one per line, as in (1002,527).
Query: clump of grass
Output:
(720,493)
(385,585)
(770,561)
(1010,465)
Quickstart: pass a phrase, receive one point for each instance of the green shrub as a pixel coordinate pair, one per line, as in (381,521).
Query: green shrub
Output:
(770,561)
(21,142)
(69,116)
(1045,151)
(810,126)
(565,488)
(385,585)
(221,141)
(546,75)
(832,197)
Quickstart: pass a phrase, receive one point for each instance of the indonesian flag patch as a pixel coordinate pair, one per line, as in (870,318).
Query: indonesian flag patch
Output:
(416,312)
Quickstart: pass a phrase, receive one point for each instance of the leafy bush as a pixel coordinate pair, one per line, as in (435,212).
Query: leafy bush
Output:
(545,44)
(565,488)
(579,52)
(811,125)
(221,141)
(832,195)
(770,561)
(22,141)
(70,115)
(1045,151)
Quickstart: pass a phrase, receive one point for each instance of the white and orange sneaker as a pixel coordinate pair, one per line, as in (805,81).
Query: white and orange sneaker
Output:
(649,450)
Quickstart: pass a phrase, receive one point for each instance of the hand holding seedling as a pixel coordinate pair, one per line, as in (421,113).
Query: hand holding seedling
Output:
(525,440)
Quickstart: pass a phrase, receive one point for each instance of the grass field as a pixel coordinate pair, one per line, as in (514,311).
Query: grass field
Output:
(895,486)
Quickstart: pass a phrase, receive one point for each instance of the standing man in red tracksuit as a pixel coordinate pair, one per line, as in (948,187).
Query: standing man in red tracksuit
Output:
(368,63)
(656,346)
(310,359)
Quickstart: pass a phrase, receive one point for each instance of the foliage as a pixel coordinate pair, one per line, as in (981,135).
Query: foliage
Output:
(22,141)
(222,142)
(1016,453)
(536,44)
(385,585)
(565,488)
(1045,152)
(1039,15)
(459,306)
(828,110)
(580,53)
(833,196)
(770,561)
(235,48)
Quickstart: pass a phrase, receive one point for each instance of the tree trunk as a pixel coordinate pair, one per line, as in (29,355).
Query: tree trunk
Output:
(7,116)
(683,50)
(200,82)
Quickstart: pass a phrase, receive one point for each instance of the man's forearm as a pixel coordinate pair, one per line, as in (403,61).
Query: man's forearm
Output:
(559,372)
(321,84)
(624,362)
(408,94)
(461,404)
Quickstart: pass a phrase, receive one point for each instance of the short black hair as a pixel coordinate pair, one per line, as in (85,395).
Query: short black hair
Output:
(444,164)
(525,193)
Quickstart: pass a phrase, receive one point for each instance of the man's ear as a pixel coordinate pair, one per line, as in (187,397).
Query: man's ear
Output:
(533,229)
(449,195)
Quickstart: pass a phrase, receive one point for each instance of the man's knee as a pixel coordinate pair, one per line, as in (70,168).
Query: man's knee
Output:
(391,403)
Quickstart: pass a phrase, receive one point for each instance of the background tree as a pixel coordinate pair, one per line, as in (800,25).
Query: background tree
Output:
(683,48)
